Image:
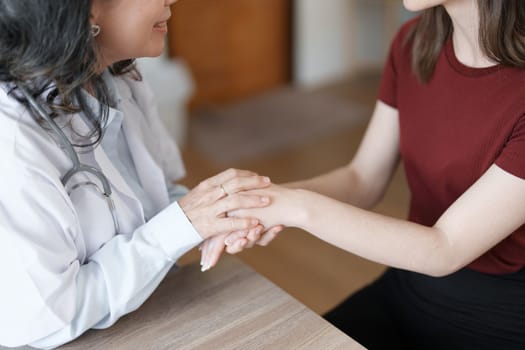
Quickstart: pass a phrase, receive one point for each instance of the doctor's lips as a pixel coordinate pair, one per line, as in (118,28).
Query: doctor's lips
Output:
(161,26)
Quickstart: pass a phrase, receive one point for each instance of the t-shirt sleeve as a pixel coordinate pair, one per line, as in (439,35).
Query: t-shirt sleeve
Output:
(512,157)
(387,88)
(396,61)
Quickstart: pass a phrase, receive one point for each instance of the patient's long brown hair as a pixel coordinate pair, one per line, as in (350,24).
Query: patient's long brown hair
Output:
(501,35)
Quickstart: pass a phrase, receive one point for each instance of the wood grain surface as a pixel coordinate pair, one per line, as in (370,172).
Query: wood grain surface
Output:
(230,307)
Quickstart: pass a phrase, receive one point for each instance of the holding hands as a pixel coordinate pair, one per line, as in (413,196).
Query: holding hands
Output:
(272,218)
(207,205)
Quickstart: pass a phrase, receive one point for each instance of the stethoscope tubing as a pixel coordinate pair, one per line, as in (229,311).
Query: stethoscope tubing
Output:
(67,147)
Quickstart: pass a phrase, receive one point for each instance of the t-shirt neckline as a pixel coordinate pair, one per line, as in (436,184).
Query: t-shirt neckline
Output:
(464,69)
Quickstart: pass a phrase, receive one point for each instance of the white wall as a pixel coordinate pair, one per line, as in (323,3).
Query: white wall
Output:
(372,33)
(322,41)
(335,38)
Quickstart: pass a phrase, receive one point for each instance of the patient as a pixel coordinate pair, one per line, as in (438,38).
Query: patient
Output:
(452,108)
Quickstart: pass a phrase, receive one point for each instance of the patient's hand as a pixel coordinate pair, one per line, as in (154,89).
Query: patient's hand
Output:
(284,210)
(286,206)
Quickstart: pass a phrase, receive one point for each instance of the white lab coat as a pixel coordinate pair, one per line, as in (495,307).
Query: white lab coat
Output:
(63,267)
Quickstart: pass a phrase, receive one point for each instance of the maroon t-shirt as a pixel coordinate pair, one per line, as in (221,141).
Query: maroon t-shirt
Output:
(452,130)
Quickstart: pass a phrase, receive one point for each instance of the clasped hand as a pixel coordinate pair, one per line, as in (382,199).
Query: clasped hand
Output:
(271,218)
(208,204)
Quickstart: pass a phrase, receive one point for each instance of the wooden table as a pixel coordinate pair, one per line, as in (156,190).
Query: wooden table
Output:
(230,307)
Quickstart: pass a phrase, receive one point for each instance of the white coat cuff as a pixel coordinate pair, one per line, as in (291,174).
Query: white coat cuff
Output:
(174,232)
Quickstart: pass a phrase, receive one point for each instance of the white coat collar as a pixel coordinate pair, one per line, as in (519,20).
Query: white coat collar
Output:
(149,172)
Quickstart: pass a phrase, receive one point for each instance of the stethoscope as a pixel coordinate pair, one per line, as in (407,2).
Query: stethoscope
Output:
(78,167)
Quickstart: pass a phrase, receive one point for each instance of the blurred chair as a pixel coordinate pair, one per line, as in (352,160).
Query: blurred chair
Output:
(173,86)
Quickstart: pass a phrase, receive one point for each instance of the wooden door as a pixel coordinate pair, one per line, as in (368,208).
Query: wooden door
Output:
(234,48)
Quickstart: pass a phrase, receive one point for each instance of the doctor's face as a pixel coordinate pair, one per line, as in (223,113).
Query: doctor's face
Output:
(130,28)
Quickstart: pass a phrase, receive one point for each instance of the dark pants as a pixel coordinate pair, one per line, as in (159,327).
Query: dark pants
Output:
(466,310)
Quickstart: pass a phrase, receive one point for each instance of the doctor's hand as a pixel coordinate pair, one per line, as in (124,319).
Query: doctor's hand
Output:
(207,204)
(233,243)
(285,210)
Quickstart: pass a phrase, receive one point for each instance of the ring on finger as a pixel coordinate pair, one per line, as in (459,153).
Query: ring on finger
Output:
(224,192)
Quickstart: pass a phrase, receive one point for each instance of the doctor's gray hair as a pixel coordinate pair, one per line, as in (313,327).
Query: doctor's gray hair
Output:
(48,46)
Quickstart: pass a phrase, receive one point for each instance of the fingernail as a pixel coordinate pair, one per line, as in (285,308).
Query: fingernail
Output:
(265,199)
(267,179)
(227,241)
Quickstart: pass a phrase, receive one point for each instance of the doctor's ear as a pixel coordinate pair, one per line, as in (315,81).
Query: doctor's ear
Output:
(96,10)
(95,30)
(93,19)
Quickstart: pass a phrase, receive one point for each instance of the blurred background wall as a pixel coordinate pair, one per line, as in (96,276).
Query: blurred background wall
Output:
(334,39)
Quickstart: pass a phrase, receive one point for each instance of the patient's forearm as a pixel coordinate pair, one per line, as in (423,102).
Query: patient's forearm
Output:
(341,184)
(379,238)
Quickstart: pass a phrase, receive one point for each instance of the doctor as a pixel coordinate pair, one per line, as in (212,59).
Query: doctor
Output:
(90,217)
